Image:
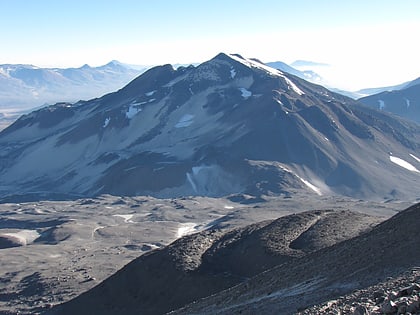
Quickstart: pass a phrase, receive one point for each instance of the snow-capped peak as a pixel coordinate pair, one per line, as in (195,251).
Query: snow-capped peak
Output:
(253,63)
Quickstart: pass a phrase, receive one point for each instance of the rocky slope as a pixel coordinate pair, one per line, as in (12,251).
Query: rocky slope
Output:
(230,125)
(389,250)
(202,264)
(398,295)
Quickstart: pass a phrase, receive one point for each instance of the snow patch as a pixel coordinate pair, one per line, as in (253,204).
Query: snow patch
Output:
(229,207)
(245,93)
(150,93)
(191,181)
(132,111)
(185,121)
(195,171)
(25,236)
(106,122)
(127,217)
(138,103)
(54,256)
(381,104)
(311,186)
(255,64)
(317,190)
(232,72)
(185,229)
(407,101)
(415,157)
(152,246)
(403,164)
(293,86)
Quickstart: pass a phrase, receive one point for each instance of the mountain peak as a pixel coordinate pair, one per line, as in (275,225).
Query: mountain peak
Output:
(114,64)
(251,63)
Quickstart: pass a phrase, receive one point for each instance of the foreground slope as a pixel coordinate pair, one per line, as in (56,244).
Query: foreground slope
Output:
(198,265)
(226,126)
(390,248)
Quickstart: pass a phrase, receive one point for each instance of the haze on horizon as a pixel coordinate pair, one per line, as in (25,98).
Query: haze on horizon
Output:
(366,43)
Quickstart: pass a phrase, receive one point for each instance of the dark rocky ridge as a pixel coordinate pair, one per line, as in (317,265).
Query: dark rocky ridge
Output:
(390,249)
(202,264)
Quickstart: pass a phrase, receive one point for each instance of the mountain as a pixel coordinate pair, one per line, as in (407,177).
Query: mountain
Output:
(24,87)
(205,263)
(404,102)
(230,125)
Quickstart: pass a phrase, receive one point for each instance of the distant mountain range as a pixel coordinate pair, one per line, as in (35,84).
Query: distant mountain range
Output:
(403,100)
(402,86)
(30,86)
(24,87)
(229,125)
(305,74)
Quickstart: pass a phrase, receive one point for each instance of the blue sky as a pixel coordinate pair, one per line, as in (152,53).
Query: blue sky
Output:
(367,43)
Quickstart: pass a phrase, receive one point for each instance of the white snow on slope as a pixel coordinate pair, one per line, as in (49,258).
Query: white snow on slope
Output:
(150,93)
(25,236)
(191,181)
(185,229)
(106,122)
(293,86)
(232,73)
(381,104)
(127,217)
(255,64)
(185,121)
(195,171)
(132,111)
(245,93)
(316,189)
(403,164)
(407,101)
(415,157)
(311,186)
